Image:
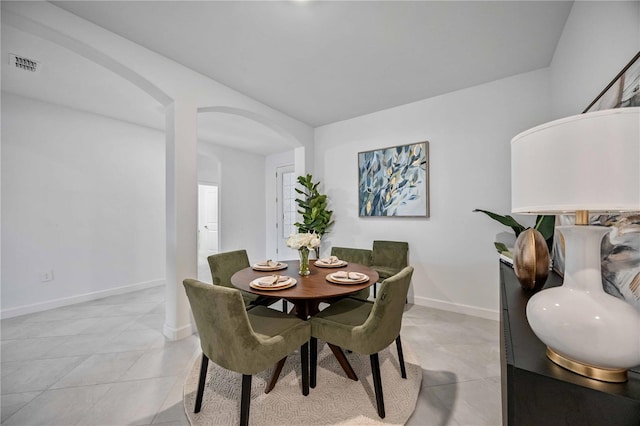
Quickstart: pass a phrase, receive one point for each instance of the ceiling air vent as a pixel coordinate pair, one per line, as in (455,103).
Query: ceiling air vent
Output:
(23,63)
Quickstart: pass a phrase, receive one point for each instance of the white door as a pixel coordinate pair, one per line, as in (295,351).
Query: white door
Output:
(286,208)
(207,222)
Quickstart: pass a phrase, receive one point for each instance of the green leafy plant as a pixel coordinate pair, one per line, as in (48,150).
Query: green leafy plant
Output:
(313,208)
(544,224)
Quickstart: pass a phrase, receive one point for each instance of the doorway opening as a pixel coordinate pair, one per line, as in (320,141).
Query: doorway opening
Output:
(286,209)
(208,228)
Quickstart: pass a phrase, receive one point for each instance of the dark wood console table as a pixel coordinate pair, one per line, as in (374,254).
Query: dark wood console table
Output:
(535,391)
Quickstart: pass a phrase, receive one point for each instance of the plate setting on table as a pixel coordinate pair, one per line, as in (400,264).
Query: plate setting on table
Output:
(273,282)
(346,277)
(330,262)
(269,265)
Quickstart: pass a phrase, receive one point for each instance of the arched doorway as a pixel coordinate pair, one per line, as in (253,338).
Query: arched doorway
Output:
(244,142)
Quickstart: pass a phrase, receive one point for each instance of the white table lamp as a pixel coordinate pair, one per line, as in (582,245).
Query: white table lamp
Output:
(576,165)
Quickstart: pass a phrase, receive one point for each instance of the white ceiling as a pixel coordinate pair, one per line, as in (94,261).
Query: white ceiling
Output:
(68,79)
(317,61)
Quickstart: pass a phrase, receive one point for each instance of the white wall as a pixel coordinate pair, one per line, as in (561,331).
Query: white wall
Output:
(208,168)
(469,131)
(178,89)
(598,40)
(452,251)
(83,195)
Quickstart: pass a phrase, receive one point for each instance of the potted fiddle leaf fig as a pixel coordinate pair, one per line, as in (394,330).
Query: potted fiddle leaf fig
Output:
(316,218)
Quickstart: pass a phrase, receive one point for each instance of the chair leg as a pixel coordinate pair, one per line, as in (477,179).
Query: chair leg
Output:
(246,399)
(203,378)
(313,361)
(377,383)
(403,370)
(375,287)
(304,358)
(285,306)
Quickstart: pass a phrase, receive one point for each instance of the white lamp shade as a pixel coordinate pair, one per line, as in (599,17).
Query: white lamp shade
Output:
(584,162)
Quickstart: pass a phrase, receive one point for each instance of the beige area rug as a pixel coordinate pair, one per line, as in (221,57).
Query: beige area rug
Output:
(335,399)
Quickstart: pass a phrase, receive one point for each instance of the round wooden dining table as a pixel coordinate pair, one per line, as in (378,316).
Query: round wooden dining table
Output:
(306,296)
(309,290)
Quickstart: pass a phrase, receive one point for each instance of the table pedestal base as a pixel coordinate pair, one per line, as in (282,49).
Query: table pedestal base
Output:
(304,309)
(275,375)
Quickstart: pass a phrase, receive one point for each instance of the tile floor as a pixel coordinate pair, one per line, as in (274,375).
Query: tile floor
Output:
(106,362)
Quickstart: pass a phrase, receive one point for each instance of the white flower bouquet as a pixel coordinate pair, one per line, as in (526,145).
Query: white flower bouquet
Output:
(310,240)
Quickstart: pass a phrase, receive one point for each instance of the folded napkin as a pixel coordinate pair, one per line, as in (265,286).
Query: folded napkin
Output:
(330,260)
(267,263)
(273,280)
(348,275)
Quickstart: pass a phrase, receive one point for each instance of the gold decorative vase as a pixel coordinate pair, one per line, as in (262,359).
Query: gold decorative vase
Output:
(531,259)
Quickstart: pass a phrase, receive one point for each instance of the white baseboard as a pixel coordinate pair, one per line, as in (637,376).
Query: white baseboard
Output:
(66,301)
(458,308)
(173,333)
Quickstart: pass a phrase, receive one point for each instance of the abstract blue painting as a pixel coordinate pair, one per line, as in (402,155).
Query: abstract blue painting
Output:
(394,181)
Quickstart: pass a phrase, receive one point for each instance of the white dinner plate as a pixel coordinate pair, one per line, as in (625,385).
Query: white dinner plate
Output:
(278,266)
(266,283)
(343,280)
(338,264)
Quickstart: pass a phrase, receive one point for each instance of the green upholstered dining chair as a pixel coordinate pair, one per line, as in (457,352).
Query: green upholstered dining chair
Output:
(224,265)
(355,255)
(388,258)
(243,341)
(365,327)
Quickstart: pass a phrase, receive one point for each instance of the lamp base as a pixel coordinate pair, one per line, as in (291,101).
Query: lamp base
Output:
(588,327)
(618,375)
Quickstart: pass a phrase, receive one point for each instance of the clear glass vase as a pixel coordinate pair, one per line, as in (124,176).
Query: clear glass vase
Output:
(304,261)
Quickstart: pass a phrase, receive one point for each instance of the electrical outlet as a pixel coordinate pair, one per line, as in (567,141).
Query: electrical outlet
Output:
(46,276)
